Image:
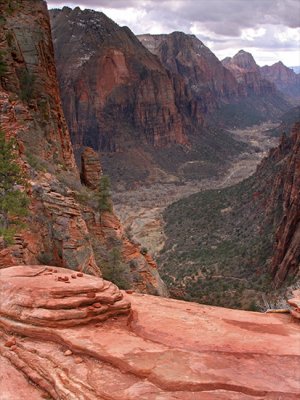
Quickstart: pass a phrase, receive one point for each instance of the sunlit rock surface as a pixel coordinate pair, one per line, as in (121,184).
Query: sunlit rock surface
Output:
(162,349)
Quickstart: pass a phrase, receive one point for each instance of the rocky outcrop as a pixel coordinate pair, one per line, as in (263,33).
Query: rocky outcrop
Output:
(74,298)
(113,90)
(286,257)
(284,78)
(70,343)
(55,231)
(109,233)
(91,170)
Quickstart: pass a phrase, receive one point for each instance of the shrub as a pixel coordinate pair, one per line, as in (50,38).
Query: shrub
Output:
(3,68)
(26,84)
(115,270)
(13,200)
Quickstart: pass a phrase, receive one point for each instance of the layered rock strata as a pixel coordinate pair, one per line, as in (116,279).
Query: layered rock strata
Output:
(91,170)
(164,349)
(73,298)
(30,76)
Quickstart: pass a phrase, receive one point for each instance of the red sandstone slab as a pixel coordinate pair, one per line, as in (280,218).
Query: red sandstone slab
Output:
(14,385)
(164,350)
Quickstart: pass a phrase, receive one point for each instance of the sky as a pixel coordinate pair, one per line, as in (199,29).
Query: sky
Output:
(269,29)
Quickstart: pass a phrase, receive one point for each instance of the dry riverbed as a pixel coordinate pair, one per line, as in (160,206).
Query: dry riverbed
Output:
(141,210)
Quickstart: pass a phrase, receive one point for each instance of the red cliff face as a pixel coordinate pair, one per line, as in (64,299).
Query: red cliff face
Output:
(284,78)
(58,229)
(114,91)
(91,170)
(286,257)
(27,53)
(282,205)
(186,56)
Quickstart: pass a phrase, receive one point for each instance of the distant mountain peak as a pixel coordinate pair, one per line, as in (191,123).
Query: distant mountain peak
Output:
(244,60)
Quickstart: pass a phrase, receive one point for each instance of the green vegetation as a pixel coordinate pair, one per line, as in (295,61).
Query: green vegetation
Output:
(45,258)
(104,196)
(27,80)
(113,268)
(144,250)
(3,68)
(13,200)
(219,242)
(12,6)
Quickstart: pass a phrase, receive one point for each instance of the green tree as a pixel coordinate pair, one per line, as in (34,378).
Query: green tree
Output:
(13,201)
(115,270)
(104,196)
(3,68)
(27,80)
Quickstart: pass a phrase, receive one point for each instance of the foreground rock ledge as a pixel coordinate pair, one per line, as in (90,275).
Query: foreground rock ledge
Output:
(67,340)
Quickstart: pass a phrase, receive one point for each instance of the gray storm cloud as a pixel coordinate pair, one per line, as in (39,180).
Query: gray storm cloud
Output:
(217,14)
(221,22)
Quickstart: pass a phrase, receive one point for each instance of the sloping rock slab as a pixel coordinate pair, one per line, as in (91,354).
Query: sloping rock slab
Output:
(164,350)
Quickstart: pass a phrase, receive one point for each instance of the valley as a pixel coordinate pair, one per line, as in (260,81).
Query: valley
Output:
(116,288)
(141,209)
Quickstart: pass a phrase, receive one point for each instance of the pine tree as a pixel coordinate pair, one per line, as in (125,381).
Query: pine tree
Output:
(104,197)
(13,201)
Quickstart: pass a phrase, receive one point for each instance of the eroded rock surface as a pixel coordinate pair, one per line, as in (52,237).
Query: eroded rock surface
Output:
(90,168)
(57,297)
(165,349)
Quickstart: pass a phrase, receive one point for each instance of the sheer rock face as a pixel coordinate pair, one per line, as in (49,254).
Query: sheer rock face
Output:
(58,230)
(284,78)
(91,170)
(27,53)
(73,338)
(113,89)
(185,55)
(286,257)
(280,173)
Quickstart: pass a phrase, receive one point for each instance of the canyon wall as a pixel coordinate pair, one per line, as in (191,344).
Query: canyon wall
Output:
(114,91)
(204,75)
(286,257)
(63,227)
(228,93)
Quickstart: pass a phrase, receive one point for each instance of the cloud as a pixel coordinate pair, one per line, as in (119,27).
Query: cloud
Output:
(256,24)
